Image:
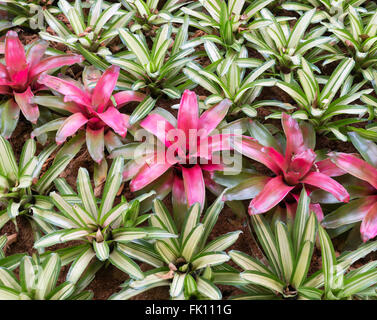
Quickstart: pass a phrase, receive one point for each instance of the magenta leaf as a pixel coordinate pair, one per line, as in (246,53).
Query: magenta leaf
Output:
(188,114)
(328,184)
(115,120)
(368,228)
(212,117)
(29,109)
(70,127)
(104,88)
(194,185)
(273,192)
(95,143)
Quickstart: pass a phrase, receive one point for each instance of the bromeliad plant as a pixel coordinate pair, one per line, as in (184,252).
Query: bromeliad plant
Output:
(186,142)
(183,263)
(338,282)
(93,106)
(227,20)
(359,39)
(334,11)
(289,251)
(90,33)
(22,186)
(101,227)
(287,45)
(19,79)
(156,71)
(234,77)
(148,16)
(364,206)
(319,105)
(293,167)
(38,281)
(27,13)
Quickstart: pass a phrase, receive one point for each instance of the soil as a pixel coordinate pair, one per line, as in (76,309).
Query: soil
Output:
(108,279)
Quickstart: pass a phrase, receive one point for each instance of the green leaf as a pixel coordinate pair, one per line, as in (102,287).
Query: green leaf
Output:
(265,280)
(208,289)
(142,110)
(189,246)
(124,263)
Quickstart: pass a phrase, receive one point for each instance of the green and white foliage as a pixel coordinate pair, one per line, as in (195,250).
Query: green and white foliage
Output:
(9,262)
(227,19)
(26,13)
(319,99)
(37,280)
(286,44)
(22,186)
(148,16)
(288,249)
(184,263)
(333,11)
(90,33)
(102,227)
(234,76)
(357,40)
(338,282)
(157,71)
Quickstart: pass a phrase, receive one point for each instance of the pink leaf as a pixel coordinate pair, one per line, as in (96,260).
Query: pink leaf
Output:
(210,144)
(273,192)
(253,150)
(104,88)
(188,113)
(70,127)
(124,97)
(300,165)
(36,52)
(211,118)
(159,127)
(355,166)
(148,173)
(179,200)
(115,120)
(134,166)
(4,90)
(66,88)
(295,140)
(95,143)
(29,109)
(15,58)
(368,228)
(328,184)
(194,185)
(54,62)
(3,72)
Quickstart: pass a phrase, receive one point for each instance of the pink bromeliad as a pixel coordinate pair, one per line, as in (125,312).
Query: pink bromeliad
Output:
(187,182)
(93,107)
(19,75)
(363,206)
(294,168)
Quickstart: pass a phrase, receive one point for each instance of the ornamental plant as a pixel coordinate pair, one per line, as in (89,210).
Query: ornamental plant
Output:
(320,104)
(182,158)
(19,79)
(157,71)
(287,45)
(288,250)
(362,207)
(293,167)
(183,263)
(90,33)
(148,16)
(100,227)
(358,38)
(93,107)
(340,284)
(22,186)
(233,76)
(37,280)
(328,10)
(27,13)
(226,20)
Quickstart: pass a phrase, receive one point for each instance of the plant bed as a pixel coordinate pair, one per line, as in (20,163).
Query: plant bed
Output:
(261,180)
